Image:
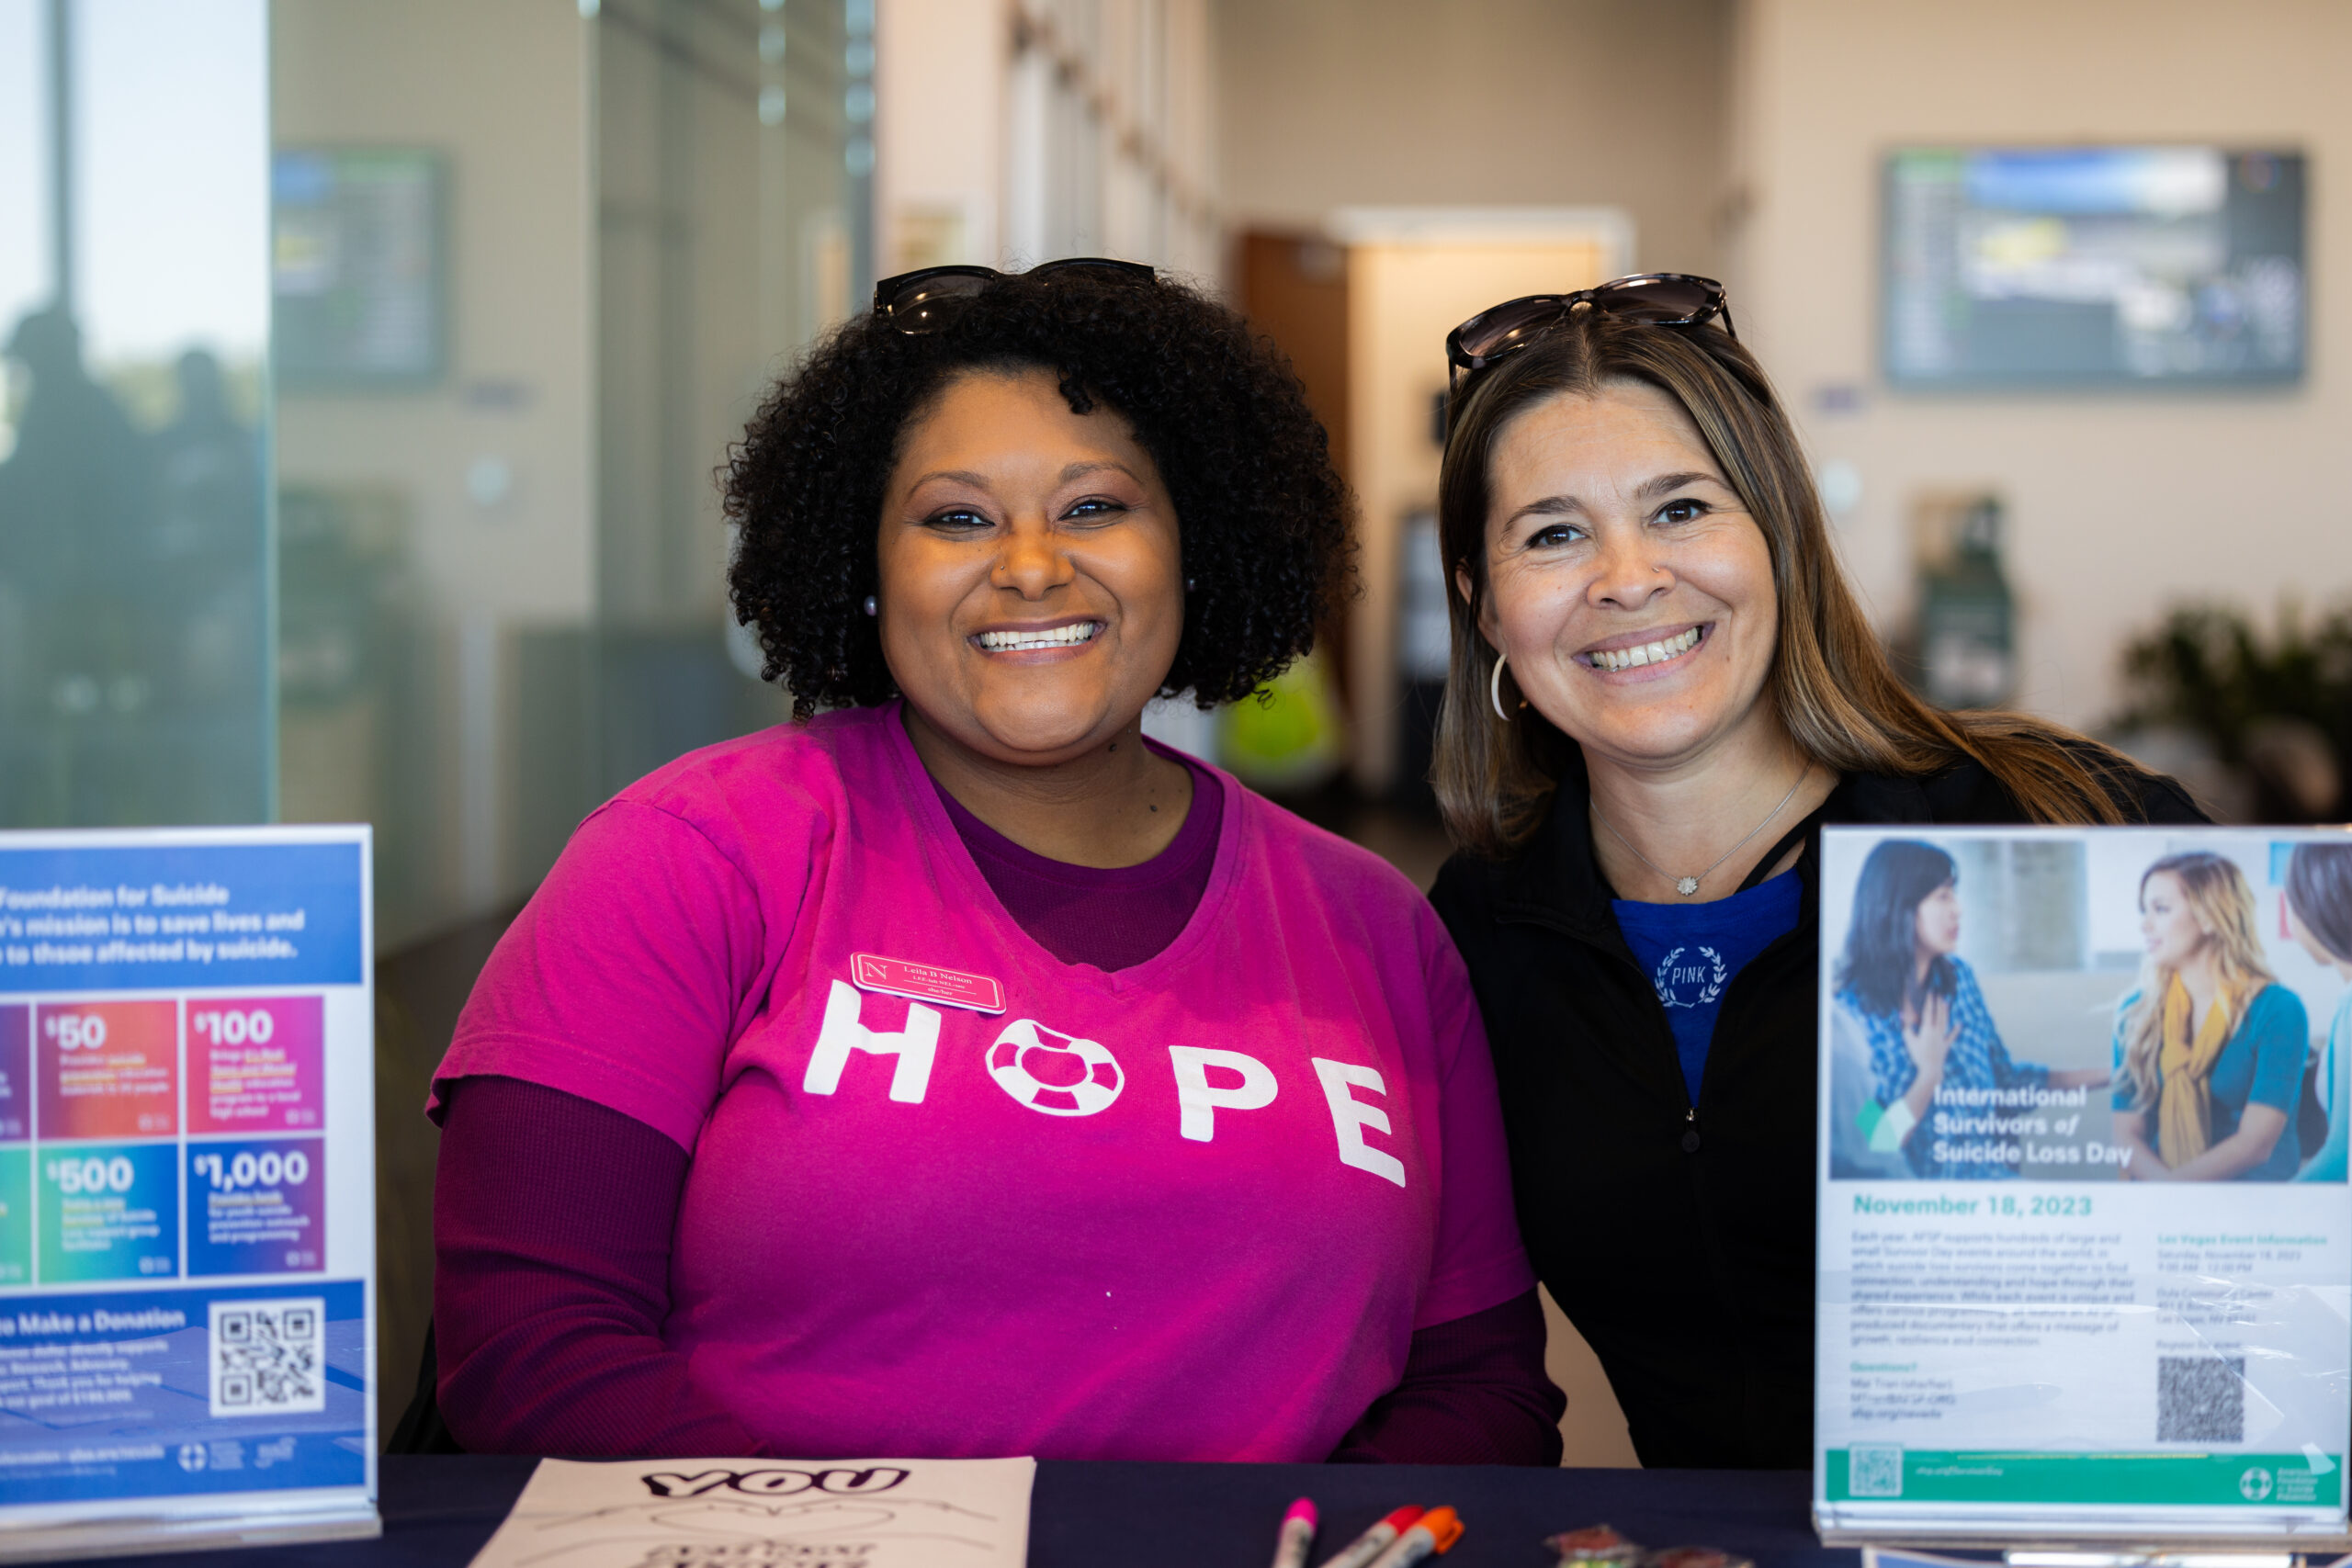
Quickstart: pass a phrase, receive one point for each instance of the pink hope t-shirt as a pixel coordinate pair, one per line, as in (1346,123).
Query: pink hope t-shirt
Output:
(950,1196)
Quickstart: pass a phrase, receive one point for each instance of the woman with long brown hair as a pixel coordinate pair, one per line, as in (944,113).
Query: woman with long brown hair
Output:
(2210,1049)
(1661,687)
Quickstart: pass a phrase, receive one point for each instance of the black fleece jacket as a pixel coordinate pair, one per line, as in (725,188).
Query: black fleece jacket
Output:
(1678,1237)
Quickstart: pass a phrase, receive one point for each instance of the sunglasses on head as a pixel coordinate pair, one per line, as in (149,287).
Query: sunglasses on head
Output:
(929,298)
(1653,298)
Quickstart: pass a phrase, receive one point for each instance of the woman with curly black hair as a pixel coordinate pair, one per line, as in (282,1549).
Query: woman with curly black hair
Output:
(954,1071)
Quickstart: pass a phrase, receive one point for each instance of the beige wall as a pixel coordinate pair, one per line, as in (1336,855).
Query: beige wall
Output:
(1014,131)
(2119,503)
(1618,102)
(941,73)
(501,90)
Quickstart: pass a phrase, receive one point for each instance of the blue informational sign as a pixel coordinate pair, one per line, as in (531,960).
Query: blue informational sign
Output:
(180,1392)
(186,1188)
(208,914)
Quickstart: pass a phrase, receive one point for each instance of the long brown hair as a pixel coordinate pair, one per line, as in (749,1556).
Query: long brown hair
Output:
(1835,692)
(2222,903)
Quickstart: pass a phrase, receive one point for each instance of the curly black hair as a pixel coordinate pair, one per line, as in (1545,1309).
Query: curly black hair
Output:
(1264,517)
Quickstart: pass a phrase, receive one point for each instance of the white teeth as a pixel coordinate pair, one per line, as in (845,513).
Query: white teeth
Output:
(1648,653)
(1060,637)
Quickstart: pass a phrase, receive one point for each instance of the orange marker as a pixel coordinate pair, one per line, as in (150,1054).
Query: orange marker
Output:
(1430,1536)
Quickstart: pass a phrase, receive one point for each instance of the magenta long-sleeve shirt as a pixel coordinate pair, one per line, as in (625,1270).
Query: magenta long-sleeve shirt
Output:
(557,1320)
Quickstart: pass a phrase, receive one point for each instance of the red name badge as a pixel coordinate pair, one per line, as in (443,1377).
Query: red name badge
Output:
(925,983)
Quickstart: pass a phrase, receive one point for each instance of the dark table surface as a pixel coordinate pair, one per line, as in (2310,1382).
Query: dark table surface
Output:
(439,1511)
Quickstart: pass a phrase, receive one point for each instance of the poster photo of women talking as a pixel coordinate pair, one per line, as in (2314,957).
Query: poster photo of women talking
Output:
(2111,1004)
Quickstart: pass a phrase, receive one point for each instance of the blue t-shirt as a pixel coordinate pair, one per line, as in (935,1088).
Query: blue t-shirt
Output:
(1691,951)
(2262,1064)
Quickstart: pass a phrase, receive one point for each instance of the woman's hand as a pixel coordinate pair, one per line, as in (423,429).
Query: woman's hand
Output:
(1928,1040)
(2257,1134)
(2143,1164)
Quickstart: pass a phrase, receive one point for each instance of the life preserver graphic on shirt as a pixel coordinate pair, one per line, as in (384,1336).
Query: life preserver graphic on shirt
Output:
(1692,984)
(1052,1072)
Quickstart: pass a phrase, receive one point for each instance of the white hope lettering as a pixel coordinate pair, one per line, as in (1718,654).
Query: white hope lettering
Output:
(844,1031)
(1351,1116)
(1198,1101)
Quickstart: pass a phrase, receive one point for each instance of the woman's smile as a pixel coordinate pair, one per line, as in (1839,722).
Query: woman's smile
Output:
(1031,644)
(1641,656)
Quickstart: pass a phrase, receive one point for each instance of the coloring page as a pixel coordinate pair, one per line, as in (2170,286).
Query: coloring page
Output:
(702,1513)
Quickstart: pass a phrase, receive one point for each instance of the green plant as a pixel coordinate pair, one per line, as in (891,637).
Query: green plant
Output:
(2209,669)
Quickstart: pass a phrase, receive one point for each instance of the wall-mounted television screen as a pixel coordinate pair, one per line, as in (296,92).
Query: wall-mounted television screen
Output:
(2093,266)
(357,260)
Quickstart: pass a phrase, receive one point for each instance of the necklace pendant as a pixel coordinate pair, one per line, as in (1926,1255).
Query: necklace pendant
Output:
(1687,886)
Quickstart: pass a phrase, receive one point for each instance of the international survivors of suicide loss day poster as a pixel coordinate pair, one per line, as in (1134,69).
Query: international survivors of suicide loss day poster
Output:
(187,1226)
(2083,1260)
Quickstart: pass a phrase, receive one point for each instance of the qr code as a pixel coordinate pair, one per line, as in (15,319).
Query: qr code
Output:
(268,1357)
(2200,1399)
(1874,1469)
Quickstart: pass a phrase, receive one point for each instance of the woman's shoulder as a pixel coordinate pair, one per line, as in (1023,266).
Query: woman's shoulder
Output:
(1849,1008)
(1335,868)
(2129,1007)
(2275,1006)
(1551,867)
(797,761)
(1965,792)
(1466,885)
(775,793)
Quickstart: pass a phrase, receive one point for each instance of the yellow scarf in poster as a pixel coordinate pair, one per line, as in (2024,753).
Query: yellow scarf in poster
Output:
(2184,1068)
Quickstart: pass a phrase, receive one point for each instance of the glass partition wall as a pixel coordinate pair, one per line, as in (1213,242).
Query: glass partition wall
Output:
(367,371)
(135,563)
(530,267)
(534,266)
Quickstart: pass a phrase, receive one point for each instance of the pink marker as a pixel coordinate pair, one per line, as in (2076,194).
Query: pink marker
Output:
(1296,1536)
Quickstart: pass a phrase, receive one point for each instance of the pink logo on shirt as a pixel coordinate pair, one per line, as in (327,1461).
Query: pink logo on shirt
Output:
(1052,1072)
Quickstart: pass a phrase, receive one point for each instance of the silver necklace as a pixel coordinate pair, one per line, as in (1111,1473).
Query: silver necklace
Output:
(1687,886)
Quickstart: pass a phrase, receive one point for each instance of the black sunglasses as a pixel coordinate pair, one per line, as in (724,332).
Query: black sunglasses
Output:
(929,298)
(1654,299)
